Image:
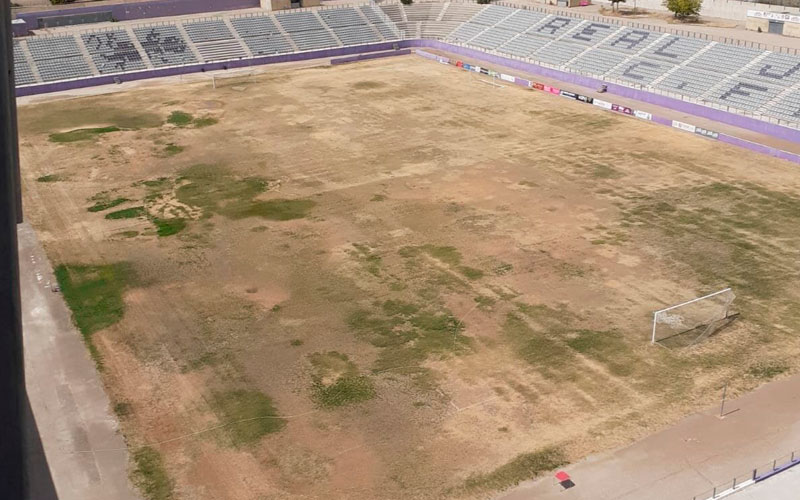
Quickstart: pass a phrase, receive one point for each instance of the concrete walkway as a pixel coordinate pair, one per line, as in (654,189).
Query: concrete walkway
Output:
(69,405)
(691,457)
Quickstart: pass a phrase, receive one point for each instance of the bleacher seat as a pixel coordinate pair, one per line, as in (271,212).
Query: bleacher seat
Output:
(164,45)
(113,51)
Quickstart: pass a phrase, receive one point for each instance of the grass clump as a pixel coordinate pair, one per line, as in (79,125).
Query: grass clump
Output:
(122,409)
(81,134)
(106,204)
(215,189)
(539,348)
(206,121)
(50,178)
(767,370)
(150,475)
(249,415)
(522,467)
(94,294)
(168,227)
(607,347)
(172,149)
(179,118)
(370,260)
(408,334)
(336,381)
(127,213)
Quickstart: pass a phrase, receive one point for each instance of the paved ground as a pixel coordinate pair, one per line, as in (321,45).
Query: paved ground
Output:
(698,453)
(69,405)
(784,486)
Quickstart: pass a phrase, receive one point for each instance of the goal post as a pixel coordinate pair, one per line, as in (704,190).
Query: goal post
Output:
(232,77)
(702,315)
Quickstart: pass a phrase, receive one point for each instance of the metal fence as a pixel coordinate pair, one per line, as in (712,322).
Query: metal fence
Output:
(760,473)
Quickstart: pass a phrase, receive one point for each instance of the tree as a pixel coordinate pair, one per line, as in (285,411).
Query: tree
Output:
(406,2)
(615,3)
(684,8)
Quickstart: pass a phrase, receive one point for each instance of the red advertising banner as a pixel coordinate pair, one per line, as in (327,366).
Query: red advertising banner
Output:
(555,91)
(538,86)
(459,64)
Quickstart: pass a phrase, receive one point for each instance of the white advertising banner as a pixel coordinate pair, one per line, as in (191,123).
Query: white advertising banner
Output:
(506,77)
(774,16)
(602,104)
(683,126)
(644,115)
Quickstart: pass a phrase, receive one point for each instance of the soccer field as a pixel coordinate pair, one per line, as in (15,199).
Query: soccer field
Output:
(388,280)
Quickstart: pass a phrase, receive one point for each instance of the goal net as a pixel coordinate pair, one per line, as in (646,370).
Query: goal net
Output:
(693,321)
(235,79)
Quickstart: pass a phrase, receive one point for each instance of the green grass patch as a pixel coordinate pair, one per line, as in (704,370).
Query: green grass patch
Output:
(179,118)
(127,234)
(215,189)
(336,381)
(248,415)
(172,149)
(470,272)
(296,342)
(767,370)
(345,391)
(206,121)
(127,213)
(81,134)
(94,293)
(407,333)
(105,205)
(368,258)
(168,227)
(122,409)
(538,347)
(484,302)
(607,347)
(150,475)
(378,197)
(522,467)
(50,178)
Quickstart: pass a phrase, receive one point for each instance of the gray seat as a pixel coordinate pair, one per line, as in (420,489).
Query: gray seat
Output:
(113,52)
(164,45)
(207,31)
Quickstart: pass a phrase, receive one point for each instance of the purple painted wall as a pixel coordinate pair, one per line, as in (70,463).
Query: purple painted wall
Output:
(145,10)
(371,55)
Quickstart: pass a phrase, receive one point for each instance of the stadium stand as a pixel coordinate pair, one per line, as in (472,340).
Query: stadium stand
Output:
(743,79)
(113,52)
(261,35)
(165,46)
(23,75)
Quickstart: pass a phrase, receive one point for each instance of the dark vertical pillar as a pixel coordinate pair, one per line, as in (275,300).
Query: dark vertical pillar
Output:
(12,382)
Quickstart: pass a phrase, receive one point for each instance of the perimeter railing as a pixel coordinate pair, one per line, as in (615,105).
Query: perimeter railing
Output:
(756,475)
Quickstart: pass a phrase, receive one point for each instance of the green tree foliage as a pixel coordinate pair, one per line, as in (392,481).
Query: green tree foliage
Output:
(684,8)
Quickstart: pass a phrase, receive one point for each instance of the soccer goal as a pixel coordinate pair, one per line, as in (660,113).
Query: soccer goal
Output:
(692,321)
(231,78)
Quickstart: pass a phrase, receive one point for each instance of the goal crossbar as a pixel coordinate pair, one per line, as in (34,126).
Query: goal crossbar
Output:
(656,313)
